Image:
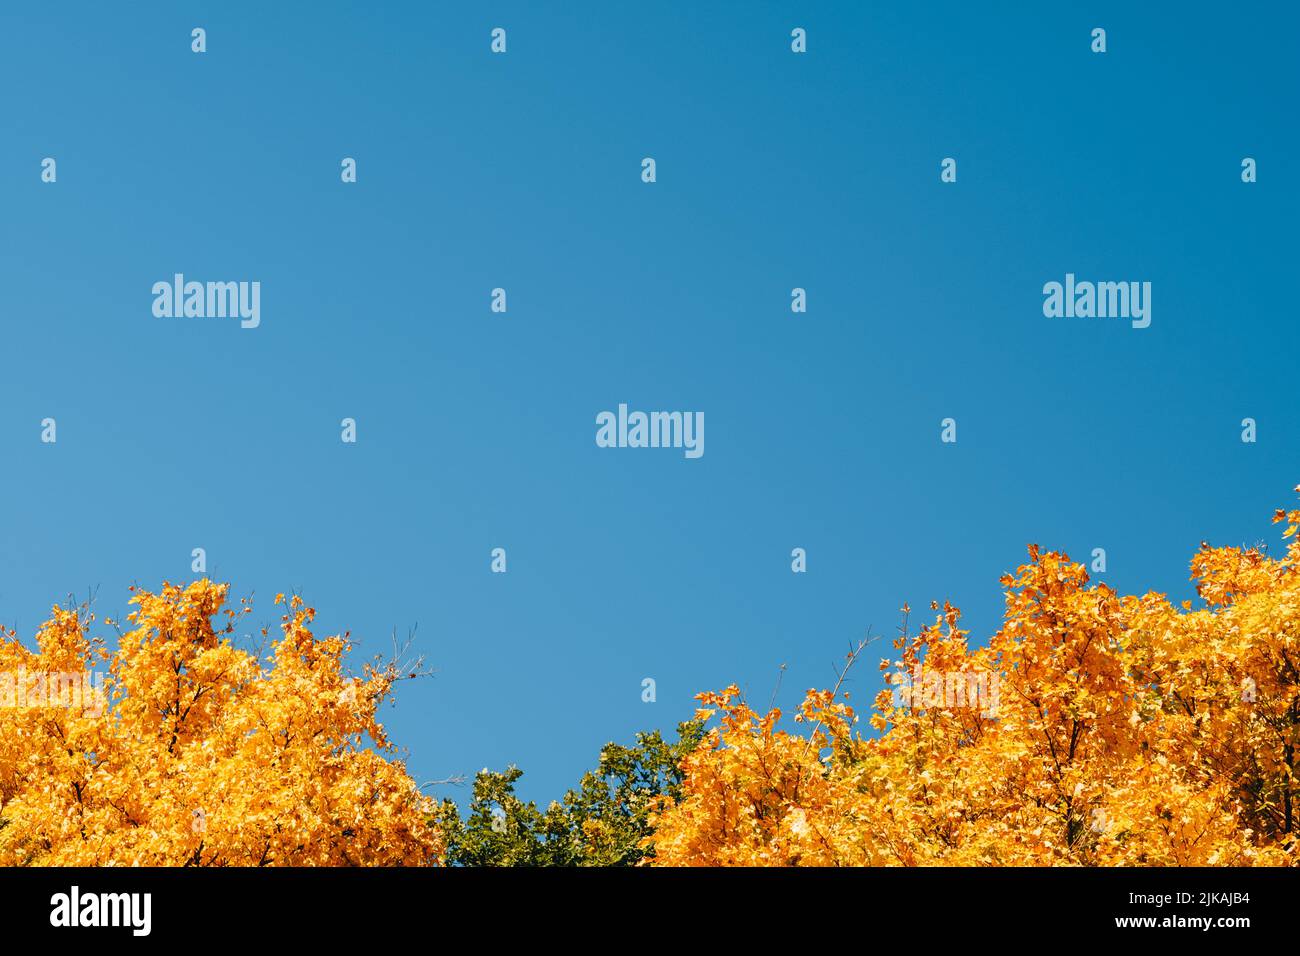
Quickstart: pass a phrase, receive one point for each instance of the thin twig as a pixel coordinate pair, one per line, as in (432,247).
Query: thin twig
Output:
(850,660)
(458,780)
(775,690)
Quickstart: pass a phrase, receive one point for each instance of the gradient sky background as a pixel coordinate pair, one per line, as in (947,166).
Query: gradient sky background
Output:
(477,430)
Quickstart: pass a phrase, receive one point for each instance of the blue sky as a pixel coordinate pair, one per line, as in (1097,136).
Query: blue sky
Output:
(476,430)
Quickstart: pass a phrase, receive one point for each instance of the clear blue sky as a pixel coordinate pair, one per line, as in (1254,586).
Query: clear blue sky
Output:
(477,430)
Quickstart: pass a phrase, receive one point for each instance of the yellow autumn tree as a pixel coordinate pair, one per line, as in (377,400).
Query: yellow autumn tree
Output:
(1094,729)
(191,751)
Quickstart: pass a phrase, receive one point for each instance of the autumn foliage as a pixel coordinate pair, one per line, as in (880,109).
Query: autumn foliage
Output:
(1127,731)
(202,753)
(1092,729)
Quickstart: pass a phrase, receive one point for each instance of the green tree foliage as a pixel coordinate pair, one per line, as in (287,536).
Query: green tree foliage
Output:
(601,823)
